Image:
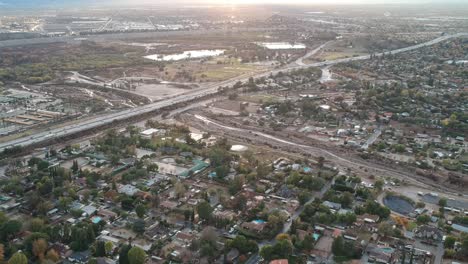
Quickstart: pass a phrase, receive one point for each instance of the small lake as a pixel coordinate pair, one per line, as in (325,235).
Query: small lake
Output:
(281,45)
(398,204)
(190,54)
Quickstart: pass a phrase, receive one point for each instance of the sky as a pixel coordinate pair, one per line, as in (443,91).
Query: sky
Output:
(63,3)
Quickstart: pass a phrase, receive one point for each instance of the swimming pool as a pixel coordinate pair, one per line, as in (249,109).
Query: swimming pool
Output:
(96,219)
(388,250)
(258,221)
(316,236)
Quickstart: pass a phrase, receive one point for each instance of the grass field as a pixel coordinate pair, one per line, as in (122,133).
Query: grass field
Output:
(225,72)
(340,55)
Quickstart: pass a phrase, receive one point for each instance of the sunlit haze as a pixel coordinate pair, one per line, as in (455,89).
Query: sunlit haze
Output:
(233,131)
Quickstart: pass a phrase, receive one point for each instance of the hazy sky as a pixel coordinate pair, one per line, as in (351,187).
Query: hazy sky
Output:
(37,3)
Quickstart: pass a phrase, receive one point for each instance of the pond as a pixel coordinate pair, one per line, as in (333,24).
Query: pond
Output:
(398,204)
(190,54)
(238,148)
(281,45)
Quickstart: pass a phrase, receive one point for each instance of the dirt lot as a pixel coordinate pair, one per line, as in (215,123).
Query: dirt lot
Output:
(235,106)
(217,69)
(158,91)
(324,245)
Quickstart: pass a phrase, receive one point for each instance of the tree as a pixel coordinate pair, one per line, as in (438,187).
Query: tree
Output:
(222,171)
(179,189)
(53,256)
(385,229)
(109,246)
(282,249)
(208,240)
(423,219)
(2,253)
(36,225)
(379,184)
(139,226)
(136,255)
(244,245)
(443,202)
(100,249)
(18,258)
(39,248)
(204,210)
(140,210)
(263,169)
(308,243)
(344,249)
(320,162)
(127,203)
(75,166)
(282,236)
(449,242)
(338,246)
(92,261)
(347,199)
(64,203)
(9,228)
(235,185)
(123,254)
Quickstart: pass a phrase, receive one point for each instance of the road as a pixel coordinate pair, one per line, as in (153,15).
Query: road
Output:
(256,258)
(185,97)
(372,138)
(338,156)
(287,226)
(300,61)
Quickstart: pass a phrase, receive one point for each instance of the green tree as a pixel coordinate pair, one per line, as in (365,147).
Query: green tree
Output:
(204,210)
(423,219)
(136,255)
(280,250)
(100,249)
(442,202)
(109,246)
(36,225)
(75,166)
(338,246)
(308,243)
(379,184)
(140,210)
(222,171)
(449,242)
(123,254)
(9,228)
(243,244)
(18,258)
(139,226)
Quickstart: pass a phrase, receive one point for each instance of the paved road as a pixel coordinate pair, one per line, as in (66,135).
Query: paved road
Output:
(287,226)
(195,94)
(300,61)
(372,138)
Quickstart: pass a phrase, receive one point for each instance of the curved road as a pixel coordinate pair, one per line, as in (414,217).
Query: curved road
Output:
(199,93)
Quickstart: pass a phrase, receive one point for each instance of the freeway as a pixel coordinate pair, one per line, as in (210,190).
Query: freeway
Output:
(186,97)
(300,61)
